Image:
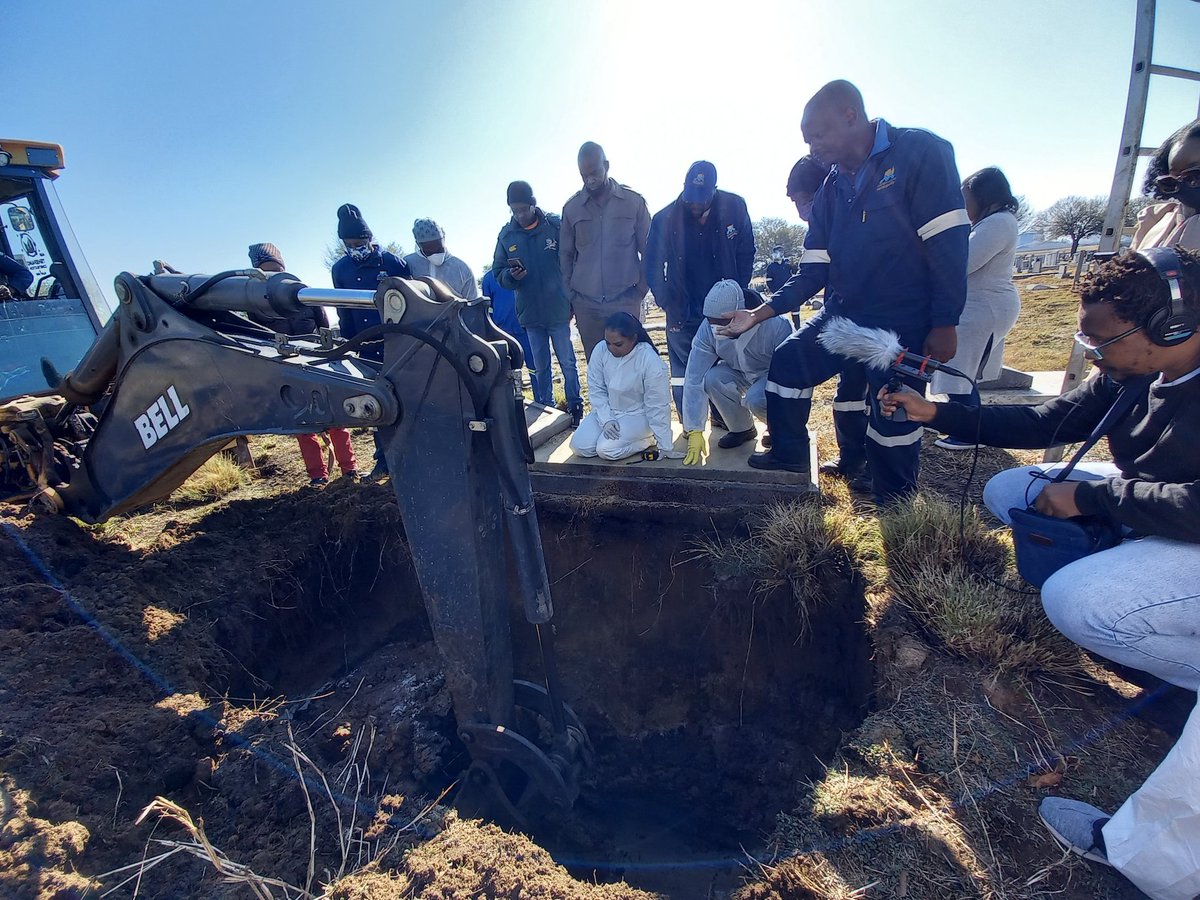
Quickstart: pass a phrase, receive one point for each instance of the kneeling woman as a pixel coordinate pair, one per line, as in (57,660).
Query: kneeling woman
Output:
(630,393)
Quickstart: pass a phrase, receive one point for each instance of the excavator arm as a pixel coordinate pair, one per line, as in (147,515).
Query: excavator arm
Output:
(176,374)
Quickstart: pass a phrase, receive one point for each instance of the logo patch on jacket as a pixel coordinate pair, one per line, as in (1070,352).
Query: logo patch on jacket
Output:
(888,179)
(730,232)
(551,244)
(512,249)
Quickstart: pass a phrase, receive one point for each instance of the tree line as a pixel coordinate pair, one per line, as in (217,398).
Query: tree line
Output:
(1071,218)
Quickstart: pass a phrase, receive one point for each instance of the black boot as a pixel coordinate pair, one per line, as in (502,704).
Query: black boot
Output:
(737,438)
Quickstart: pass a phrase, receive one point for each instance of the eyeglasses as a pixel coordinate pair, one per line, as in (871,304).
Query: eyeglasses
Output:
(1095,349)
(1170,184)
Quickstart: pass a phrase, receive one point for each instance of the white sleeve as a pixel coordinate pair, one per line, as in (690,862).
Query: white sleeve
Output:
(656,385)
(703,356)
(597,384)
(988,238)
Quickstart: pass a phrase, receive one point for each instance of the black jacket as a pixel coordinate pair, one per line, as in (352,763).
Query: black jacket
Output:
(1154,446)
(778,274)
(665,260)
(365,276)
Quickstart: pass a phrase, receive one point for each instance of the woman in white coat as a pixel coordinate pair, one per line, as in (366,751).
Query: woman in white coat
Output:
(992,300)
(630,392)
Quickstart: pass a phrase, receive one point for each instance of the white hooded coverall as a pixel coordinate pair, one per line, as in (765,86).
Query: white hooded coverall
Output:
(634,391)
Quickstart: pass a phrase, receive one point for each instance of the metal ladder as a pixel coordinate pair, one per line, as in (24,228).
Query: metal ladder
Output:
(1131,148)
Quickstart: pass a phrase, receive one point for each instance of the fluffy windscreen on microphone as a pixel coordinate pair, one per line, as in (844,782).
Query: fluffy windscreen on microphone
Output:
(874,347)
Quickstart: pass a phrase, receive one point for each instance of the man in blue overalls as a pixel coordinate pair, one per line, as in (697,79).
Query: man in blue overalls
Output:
(888,242)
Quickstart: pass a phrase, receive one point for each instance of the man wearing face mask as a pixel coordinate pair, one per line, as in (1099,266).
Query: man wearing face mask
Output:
(730,373)
(431,259)
(703,236)
(361,269)
(779,270)
(805,179)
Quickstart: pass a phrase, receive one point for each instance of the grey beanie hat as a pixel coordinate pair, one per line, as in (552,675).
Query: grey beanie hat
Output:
(723,298)
(427,230)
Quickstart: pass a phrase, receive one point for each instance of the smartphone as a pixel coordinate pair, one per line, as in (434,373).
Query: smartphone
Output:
(514,262)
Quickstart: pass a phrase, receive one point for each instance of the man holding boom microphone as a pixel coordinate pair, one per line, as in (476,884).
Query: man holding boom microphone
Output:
(888,242)
(1137,602)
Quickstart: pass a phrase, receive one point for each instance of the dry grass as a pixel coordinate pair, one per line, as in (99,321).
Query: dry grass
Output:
(806,547)
(215,479)
(1041,339)
(948,583)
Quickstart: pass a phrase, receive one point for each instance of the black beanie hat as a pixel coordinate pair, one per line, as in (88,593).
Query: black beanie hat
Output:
(351,224)
(521,192)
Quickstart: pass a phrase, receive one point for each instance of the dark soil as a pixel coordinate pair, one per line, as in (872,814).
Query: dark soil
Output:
(183,652)
(187,661)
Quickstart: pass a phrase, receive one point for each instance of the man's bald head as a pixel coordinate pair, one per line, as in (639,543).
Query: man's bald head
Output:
(593,168)
(838,96)
(592,149)
(836,126)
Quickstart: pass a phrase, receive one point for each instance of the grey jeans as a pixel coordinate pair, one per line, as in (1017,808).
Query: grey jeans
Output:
(1137,604)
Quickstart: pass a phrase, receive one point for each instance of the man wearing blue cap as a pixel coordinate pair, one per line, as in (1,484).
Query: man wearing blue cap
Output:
(702,237)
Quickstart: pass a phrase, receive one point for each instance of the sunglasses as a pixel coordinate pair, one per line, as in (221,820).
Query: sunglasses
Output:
(1096,349)
(1171,184)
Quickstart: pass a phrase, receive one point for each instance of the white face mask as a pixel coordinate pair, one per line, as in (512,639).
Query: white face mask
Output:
(436,258)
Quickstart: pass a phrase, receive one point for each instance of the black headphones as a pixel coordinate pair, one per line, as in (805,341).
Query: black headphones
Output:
(1173,323)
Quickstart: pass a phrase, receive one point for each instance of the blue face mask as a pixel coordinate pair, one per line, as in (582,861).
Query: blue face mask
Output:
(358,254)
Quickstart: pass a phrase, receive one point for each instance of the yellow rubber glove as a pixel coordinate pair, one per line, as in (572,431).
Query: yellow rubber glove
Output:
(696,450)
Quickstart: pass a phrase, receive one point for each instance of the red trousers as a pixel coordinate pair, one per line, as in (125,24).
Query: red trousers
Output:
(314,453)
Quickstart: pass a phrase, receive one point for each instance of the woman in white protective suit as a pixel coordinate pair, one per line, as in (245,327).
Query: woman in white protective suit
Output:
(630,392)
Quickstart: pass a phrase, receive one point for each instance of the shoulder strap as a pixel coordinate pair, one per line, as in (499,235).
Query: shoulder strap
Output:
(1129,392)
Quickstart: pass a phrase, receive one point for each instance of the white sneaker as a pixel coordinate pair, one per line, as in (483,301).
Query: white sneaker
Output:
(949,443)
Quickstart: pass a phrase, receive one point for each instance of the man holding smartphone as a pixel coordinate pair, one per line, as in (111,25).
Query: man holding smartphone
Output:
(527,261)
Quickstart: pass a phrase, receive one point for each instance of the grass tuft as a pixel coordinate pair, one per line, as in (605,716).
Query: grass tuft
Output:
(807,547)
(212,481)
(953,600)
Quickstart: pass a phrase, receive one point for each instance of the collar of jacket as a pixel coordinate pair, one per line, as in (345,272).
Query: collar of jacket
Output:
(543,220)
(880,146)
(617,190)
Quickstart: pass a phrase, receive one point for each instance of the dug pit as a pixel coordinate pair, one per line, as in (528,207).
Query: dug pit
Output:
(709,699)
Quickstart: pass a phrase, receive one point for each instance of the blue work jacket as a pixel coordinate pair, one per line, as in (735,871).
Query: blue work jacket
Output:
(889,245)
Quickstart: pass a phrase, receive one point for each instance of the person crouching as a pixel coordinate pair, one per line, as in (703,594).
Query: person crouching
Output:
(730,372)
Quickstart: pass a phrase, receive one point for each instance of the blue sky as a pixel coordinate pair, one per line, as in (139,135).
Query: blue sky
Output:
(193,130)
